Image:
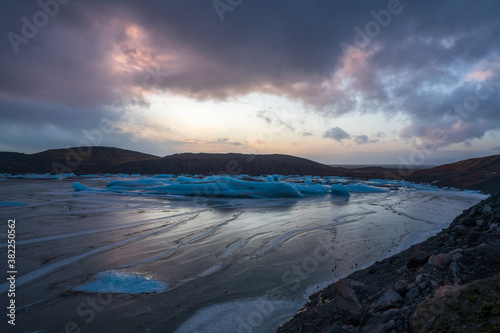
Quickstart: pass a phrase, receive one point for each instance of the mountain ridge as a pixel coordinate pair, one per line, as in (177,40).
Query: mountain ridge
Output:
(482,174)
(232,163)
(89,159)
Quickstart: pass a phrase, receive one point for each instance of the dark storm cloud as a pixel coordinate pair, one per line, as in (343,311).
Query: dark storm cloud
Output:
(417,63)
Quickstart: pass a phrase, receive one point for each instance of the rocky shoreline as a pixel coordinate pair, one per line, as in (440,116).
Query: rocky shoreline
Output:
(448,283)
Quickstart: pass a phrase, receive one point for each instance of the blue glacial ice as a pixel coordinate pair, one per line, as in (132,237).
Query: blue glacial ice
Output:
(122,283)
(215,186)
(340,190)
(36,176)
(273,179)
(275,186)
(220,186)
(164,176)
(363,188)
(138,183)
(9,204)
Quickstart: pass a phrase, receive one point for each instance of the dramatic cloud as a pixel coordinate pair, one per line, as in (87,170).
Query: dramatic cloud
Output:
(337,134)
(435,63)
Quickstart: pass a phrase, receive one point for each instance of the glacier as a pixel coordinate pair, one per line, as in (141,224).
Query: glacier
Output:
(8,204)
(275,186)
(243,186)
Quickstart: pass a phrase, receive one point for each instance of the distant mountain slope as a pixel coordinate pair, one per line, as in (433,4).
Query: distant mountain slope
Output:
(481,174)
(76,160)
(477,173)
(97,154)
(231,163)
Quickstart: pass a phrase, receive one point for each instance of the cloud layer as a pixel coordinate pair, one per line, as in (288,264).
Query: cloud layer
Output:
(436,63)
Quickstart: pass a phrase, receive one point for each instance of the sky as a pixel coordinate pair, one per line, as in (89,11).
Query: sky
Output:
(341,82)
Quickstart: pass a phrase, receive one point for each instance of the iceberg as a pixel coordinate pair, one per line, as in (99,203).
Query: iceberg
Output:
(272,186)
(7,204)
(79,187)
(117,282)
(227,187)
(363,188)
(164,176)
(340,190)
(309,188)
(273,179)
(139,183)
(35,176)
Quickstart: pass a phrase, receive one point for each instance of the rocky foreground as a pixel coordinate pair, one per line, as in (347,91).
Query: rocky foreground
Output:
(448,283)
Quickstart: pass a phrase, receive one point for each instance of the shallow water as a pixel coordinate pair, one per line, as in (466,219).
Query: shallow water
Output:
(230,264)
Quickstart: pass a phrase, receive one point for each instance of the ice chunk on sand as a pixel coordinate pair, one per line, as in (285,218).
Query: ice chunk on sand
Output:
(122,283)
(363,188)
(340,190)
(79,187)
(273,179)
(274,186)
(138,183)
(7,204)
(164,176)
(228,187)
(311,189)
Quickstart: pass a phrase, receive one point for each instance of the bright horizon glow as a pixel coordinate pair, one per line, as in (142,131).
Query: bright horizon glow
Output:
(268,124)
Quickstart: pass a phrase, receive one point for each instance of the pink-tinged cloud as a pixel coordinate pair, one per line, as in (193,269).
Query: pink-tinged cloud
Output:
(95,59)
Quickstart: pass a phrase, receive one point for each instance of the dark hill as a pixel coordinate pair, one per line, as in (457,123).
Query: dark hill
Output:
(253,165)
(481,174)
(77,160)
